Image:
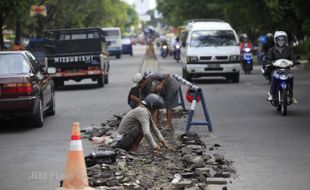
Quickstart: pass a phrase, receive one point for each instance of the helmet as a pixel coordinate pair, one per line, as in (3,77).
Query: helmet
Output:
(263,39)
(153,101)
(147,73)
(280,38)
(137,78)
(269,35)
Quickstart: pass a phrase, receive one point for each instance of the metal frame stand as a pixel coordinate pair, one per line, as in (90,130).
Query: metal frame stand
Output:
(182,103)
(197,93)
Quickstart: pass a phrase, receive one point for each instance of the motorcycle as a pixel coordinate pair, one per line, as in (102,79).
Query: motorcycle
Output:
(266,69)
(247,60)
(177,52)
(281,76)
(164,51)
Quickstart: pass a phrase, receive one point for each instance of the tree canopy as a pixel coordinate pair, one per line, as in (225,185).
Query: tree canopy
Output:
(252,17)
(65,14)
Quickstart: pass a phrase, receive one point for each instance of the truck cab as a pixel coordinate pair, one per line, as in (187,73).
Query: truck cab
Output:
(78,54)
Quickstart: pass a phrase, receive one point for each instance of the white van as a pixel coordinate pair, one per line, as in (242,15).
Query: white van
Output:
(114,36)
(211,49)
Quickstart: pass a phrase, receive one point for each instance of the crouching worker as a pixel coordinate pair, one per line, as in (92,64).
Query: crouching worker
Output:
(137,123)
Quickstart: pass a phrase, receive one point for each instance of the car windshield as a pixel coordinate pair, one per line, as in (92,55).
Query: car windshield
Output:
(13,64)
(206,38)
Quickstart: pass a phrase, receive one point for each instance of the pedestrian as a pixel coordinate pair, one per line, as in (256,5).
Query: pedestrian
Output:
(134,97)
(137,123)
(164,85)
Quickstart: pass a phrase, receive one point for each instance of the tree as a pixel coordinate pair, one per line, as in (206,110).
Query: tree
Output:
(252,17)
(6,9)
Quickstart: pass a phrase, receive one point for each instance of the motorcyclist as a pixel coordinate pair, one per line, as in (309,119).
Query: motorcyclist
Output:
(164,43)
(245,43)
(176,43)
(269,43)
(281,50)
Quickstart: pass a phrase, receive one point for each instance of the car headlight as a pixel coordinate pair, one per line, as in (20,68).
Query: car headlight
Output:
(192,59)
(234,58)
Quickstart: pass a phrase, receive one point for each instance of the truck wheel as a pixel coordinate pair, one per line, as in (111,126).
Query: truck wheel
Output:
(106,79)
(100,82)
(59,84)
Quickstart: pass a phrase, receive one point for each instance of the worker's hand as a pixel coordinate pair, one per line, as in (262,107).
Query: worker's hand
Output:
(157,150)
(166,145)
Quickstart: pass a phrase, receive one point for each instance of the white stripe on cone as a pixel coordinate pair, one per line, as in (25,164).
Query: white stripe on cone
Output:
(76,145)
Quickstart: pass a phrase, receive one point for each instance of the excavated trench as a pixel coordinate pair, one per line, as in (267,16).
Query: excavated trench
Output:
(191,165)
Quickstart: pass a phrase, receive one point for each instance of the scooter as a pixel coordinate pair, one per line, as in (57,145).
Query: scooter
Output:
(281,76)
(247,60)
(164,51)
(177,52)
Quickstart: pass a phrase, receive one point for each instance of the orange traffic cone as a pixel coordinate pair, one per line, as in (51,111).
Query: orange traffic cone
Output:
(75,173)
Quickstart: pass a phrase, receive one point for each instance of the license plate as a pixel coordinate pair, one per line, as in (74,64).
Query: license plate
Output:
(213,66)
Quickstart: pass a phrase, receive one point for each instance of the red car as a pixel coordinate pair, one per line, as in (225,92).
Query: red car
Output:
(25,88)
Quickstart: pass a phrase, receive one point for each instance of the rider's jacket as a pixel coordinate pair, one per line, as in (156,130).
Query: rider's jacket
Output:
(275,53)
(245,45)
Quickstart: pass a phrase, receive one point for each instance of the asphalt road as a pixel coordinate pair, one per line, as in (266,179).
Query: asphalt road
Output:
(269,151)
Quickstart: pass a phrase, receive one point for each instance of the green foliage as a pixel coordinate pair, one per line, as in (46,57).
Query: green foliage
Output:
(248,16)
(303,49)
(67,14)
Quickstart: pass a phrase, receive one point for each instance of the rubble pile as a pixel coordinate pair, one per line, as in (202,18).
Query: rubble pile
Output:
(191,165)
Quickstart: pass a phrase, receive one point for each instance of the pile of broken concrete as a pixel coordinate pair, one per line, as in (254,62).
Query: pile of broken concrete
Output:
(191,165)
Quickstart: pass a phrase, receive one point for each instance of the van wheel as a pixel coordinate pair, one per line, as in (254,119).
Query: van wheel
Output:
(186,75)
(38,118)
(235,78)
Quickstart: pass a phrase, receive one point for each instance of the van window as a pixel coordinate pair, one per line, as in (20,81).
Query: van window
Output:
(111,33)
(207,38)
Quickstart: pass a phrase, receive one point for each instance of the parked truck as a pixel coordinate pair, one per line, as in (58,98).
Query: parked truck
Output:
(78,54)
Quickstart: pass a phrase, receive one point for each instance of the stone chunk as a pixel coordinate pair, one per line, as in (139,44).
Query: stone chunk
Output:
(216,187)
(183,184)
(216,181)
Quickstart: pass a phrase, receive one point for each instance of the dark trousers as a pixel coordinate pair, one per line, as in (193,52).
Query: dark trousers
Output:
(130,138)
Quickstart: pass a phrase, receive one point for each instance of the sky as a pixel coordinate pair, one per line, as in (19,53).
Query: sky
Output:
(142,5)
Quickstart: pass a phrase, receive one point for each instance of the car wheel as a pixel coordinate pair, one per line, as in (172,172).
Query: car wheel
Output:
(100,81)
(118,56)
(52,109)
(38,118)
